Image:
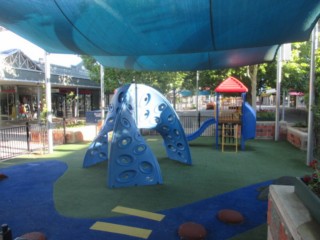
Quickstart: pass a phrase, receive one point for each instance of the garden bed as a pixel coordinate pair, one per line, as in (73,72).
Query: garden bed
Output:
(298,137)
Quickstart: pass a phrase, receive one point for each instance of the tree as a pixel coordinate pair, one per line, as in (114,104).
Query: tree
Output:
(252,74)
(255,77)
(296,72)
(316,107)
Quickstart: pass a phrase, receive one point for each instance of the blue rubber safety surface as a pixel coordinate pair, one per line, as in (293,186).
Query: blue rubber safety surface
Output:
(27,205)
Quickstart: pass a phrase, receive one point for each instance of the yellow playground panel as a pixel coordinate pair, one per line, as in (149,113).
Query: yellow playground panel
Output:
(230,136)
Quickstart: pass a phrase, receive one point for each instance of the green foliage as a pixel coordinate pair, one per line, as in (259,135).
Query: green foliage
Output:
(296,72)
(266,115)
(114,78)
(316,107)
(300,125)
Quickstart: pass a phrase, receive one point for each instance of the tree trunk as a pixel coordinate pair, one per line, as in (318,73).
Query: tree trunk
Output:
(252,72)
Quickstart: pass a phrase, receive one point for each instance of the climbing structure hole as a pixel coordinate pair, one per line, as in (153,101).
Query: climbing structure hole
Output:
(180,146)
(124,142)
(125,160)
(169,137)
(110,120)
(145,99)
(146,114)
(121,97)
(171,118)
(180,154)
(125,122)
(110,108)
(102,155)
(129,106)
(146,167)
(157,120)
(162,106)
(176,133)
(149,178)
(127,176)
(94,151)
(165,128)
(139,149)
(172,148)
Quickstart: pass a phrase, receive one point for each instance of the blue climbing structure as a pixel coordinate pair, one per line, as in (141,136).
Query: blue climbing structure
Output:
(131,162)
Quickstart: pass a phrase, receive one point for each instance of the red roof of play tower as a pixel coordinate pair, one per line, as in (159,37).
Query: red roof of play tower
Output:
(231,85)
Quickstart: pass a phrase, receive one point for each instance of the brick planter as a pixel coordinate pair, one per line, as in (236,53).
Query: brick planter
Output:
(74,137)
(297,138)
(58,137)
(36,136)
(75,134)
(266,130)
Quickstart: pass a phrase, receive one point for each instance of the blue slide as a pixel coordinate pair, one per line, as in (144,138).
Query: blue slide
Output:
(201,129)
(248,124)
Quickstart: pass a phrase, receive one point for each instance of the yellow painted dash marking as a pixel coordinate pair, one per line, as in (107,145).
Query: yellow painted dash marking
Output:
(122,229)
(139,213)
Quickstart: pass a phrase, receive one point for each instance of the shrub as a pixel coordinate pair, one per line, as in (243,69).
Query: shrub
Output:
(266,115)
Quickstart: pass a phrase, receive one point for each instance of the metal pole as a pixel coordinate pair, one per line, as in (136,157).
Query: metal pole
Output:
(38,103)
(48,102)
(77,103)
(174,98)
(136,101)
(310,144)
(279,74)
(197,89)
(102,93)
(283,105)
(28,136)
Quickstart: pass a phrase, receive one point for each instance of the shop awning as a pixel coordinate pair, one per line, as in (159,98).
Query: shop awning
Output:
(163,35)
(185,93)
(296,93)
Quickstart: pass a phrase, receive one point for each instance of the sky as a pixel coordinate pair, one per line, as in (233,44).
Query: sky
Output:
(9,40)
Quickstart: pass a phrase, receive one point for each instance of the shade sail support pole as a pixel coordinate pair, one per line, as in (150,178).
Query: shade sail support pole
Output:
(310,144)
(279,76)
(47,73)
(197,91)
(102,98)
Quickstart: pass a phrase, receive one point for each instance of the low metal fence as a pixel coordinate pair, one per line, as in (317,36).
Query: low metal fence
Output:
(18,140)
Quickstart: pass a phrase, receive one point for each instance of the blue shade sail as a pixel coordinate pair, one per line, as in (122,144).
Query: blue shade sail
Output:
(163,35)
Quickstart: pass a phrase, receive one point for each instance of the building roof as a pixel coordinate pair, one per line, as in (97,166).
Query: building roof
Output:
(231,85)
(28,71)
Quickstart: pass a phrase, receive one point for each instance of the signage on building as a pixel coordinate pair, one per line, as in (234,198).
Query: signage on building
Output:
(7,89)
(81,91)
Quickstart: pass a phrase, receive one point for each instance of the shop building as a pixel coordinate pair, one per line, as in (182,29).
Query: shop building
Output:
(22,88)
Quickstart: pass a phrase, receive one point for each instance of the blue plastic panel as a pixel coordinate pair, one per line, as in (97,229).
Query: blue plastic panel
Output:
(155,111)
(98,149)
(131,161)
